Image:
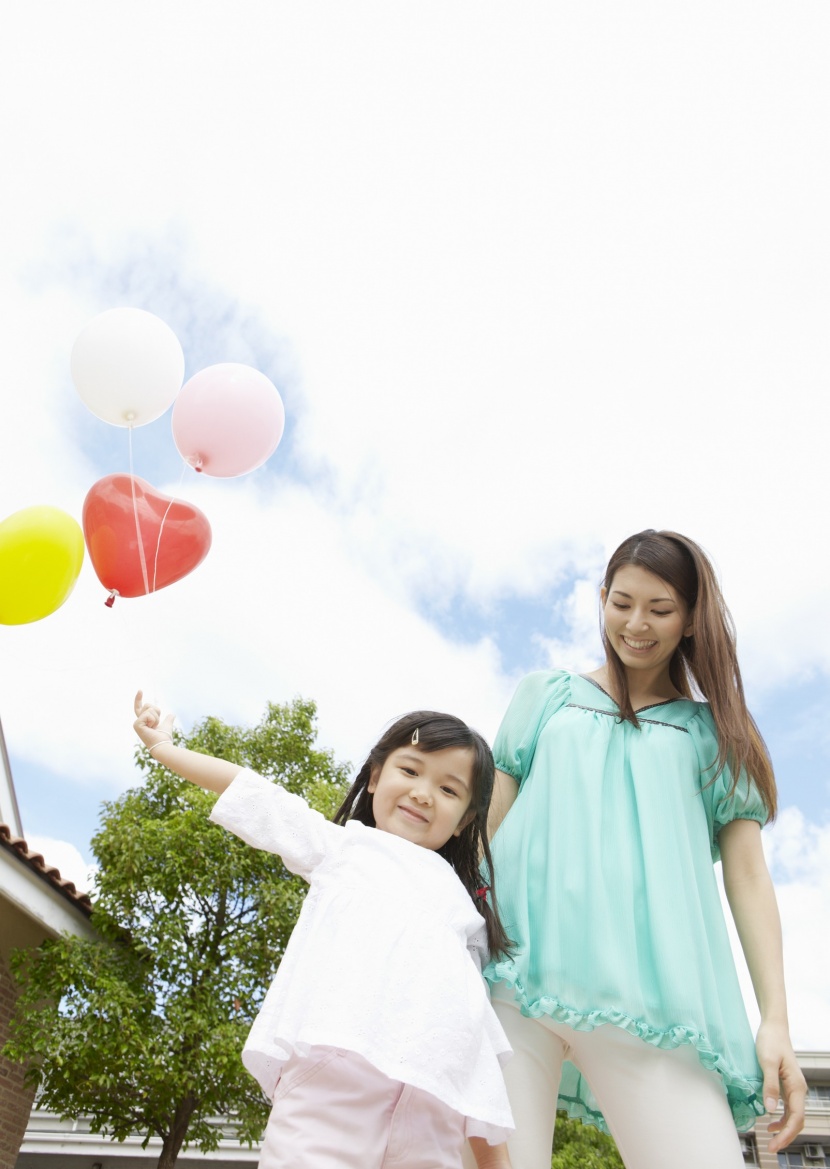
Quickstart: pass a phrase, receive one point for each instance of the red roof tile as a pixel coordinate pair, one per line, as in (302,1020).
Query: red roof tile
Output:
(34,860)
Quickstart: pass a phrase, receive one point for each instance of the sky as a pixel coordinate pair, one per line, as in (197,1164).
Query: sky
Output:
(529,278)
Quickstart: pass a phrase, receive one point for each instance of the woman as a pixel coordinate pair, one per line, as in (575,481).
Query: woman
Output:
(617,790)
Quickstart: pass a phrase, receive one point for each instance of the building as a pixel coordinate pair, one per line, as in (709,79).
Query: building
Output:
(35,903)
(54,1144)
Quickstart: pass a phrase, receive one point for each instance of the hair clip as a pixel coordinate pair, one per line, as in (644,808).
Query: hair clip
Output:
(415,737)
(482,892)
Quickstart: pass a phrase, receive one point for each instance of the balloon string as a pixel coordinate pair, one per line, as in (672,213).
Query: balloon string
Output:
(135,513)
(161,528)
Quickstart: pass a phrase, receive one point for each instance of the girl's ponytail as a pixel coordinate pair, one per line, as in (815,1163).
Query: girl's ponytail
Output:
(468,851)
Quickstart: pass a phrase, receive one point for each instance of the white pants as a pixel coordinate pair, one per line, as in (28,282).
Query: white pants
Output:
(333,1110)
(662,1106)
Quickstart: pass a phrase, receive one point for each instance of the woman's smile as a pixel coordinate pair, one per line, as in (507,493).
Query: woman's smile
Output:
(637,644)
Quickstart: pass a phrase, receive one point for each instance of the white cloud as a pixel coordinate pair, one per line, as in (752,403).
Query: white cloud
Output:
(543,276)
(536,297)
(582,649)
(527,306)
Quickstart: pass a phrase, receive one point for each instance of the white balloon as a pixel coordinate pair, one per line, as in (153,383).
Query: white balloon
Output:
(127,366)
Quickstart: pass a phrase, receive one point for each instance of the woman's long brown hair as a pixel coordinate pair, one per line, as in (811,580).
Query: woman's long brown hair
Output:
(706,662)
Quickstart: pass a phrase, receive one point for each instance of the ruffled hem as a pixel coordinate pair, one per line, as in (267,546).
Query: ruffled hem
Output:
(743,1093)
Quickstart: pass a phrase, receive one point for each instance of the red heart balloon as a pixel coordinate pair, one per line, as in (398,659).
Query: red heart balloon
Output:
(123,516)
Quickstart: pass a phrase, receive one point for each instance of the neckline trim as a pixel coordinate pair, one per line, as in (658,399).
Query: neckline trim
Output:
(651,705)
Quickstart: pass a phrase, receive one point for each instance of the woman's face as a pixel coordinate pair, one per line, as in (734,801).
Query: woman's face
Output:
(644,618)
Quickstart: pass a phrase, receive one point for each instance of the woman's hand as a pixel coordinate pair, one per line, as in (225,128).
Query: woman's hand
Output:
(148,725)
(783,1076)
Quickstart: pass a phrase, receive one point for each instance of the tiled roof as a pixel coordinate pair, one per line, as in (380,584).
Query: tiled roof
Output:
(34,860)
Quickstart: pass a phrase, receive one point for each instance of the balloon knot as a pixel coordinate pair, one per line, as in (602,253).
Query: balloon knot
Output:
(110,601)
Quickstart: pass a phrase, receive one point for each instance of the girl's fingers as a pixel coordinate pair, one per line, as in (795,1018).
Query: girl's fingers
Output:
(148,716)
(139,705)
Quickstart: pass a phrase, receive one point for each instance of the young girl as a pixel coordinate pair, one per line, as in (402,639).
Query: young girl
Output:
(376,1041)
(617,789)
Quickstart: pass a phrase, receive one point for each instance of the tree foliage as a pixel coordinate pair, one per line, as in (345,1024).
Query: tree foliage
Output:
(581,1146)
(142,1030)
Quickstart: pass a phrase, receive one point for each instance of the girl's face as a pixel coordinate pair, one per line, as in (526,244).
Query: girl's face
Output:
(644,618)
(424,796)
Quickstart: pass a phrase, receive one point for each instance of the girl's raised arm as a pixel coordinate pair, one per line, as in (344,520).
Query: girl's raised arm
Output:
(156,735)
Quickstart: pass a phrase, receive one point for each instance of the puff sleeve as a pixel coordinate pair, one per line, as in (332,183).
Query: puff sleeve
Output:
(744,803)
(537,697)
(266,816)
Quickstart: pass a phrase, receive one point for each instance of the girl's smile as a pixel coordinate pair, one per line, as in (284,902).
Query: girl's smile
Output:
(424,796)
(410,813)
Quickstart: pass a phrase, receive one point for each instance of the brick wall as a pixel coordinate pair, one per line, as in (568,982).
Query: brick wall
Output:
(15,1099)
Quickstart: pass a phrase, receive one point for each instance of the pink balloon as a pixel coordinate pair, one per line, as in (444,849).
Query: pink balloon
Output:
(228,419)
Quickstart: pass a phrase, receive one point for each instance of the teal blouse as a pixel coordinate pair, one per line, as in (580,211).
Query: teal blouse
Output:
(605,881)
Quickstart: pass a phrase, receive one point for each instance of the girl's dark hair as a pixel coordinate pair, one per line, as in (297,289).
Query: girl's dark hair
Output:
(706,661)
(464,852)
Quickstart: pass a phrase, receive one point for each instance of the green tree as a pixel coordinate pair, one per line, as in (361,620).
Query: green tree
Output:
(581,1146)
(142,1030)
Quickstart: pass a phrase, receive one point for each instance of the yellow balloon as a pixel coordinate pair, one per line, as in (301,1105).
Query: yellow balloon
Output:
(41,553)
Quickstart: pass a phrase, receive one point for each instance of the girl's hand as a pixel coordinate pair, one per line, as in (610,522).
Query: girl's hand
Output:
(781,1075)
(204,770)
(148,725)
(489,1156)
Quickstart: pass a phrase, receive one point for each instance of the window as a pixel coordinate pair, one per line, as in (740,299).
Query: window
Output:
(748,1149)
(810,1155)
(818,1096)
